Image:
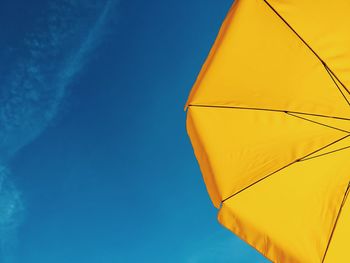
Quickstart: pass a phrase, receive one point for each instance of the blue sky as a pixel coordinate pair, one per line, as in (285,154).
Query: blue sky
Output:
(95,162)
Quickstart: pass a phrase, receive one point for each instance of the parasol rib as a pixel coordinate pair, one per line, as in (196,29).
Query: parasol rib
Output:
(316,122)
(284,167)
(265,109)
(331,75)
(310,48)
(336,220)
(337,150)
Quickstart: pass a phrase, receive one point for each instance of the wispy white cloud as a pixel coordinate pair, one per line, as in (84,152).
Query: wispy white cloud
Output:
(36,84)
(53,55)
(11,209)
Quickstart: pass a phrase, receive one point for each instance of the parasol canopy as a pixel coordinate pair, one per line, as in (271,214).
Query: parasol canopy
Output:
(269,121)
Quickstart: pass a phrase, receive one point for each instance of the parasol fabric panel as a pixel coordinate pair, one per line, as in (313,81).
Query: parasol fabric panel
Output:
(269,121)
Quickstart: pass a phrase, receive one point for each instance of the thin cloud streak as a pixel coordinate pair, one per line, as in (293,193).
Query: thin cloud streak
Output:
(33,92)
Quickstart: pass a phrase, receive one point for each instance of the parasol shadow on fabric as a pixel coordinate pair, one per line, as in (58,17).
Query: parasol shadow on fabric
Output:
(32,94)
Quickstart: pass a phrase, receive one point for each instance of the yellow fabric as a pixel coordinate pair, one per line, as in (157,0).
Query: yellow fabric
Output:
(341,145)
(250,146)
(339,247)
(324,25)
(257,61)
(269,121)
(289,217)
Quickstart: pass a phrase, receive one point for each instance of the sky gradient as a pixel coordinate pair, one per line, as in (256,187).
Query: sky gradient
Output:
(95,163)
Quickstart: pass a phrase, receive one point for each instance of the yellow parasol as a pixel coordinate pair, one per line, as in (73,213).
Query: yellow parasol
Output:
(269,120)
